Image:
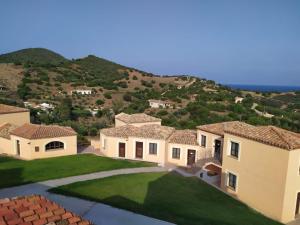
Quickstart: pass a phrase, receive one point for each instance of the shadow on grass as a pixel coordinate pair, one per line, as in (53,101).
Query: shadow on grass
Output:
(11,177)
(183,201)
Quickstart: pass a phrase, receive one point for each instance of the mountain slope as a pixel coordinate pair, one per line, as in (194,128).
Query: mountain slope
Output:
(33,55)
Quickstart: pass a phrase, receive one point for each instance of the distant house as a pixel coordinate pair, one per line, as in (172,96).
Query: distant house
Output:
(158,103)
(20,138)
(82,92)
(238,100)
(45,106)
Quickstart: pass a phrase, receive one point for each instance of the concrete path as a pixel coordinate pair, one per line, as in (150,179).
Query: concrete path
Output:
(99,214)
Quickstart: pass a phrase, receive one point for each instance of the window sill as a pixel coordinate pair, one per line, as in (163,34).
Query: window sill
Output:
(233,157)
(231,188)
(55,149)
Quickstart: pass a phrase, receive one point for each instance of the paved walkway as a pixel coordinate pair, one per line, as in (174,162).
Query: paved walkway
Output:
(99,214)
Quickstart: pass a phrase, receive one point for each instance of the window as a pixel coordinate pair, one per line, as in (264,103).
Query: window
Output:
(54,145)
(153,148)
(176,153)
(36,148)
(234,150)
(203,140)
(232,181)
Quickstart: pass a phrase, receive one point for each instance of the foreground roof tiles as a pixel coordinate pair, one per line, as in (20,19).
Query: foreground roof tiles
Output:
(5,130)
(35,131)
(270,135)
(4,109)
(147,131)
(36,210)
(136,118)
(187,137)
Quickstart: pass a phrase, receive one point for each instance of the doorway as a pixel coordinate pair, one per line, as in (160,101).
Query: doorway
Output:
(191,157)
(139,150)
(122,150)
(297,205)
(18,147)
(217,153)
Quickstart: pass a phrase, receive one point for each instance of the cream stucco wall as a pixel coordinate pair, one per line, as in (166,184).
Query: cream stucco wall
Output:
(15,118)
(292,187)
(111,148)
(261,175)
(182,161)
(27,147)
(5,146)
(210,141)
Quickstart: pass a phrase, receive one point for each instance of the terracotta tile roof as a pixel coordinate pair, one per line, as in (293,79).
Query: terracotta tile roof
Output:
(218,128)
(35,131)
(154,131)
(270,135)
(5,130)
(147,131)
(36,210)
(187,137)
(4,109)
(136,118)
(122,131)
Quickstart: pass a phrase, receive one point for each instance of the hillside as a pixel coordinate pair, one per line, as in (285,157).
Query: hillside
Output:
(33,55)
(40,75)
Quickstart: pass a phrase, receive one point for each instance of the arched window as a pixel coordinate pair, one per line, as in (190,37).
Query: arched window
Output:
(54,145)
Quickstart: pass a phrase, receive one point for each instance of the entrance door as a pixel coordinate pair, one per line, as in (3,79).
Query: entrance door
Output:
(217,154)
(121,149)
(191,157)
(18,147)
(139,149)
(297,204)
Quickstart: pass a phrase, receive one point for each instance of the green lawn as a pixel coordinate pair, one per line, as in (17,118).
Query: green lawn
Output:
(167,196)
(15,172)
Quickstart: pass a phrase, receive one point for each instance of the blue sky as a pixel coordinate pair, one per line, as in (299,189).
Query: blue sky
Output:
(230,41)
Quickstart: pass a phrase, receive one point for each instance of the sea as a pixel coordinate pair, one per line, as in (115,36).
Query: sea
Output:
(264,88)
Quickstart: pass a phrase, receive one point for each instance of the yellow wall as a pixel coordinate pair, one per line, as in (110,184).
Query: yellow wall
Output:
(112,148)
(261,175)
(292,186)
(5,146)
(15,118)
(27,147)
(183,153)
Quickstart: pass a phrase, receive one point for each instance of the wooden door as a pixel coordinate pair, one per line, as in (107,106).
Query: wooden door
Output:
(121,149)
(297,204)
(18,147)
(191,157)
(139,149)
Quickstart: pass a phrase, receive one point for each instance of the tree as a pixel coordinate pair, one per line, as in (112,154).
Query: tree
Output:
(100,102)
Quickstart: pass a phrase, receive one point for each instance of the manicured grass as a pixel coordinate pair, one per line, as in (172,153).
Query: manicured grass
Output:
(167,196)
(15,172)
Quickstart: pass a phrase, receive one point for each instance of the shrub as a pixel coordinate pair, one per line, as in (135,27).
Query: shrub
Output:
(134,77)
(100,102)
(127,97)
(107,95)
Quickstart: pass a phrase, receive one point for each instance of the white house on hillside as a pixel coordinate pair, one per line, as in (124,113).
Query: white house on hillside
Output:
(238,100)
(82,92)
(158,103)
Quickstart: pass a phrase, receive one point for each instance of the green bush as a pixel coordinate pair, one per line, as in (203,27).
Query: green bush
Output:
(99,102)
(107,95)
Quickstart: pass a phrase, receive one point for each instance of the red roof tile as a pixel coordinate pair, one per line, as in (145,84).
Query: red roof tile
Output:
(35,210)
(35,131)
(4,109)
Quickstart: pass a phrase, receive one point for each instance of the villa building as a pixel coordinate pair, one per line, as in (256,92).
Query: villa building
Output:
(18,137)
(258,165)
(153,103)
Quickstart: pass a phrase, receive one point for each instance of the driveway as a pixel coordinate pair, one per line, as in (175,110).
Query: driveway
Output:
(98,213)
